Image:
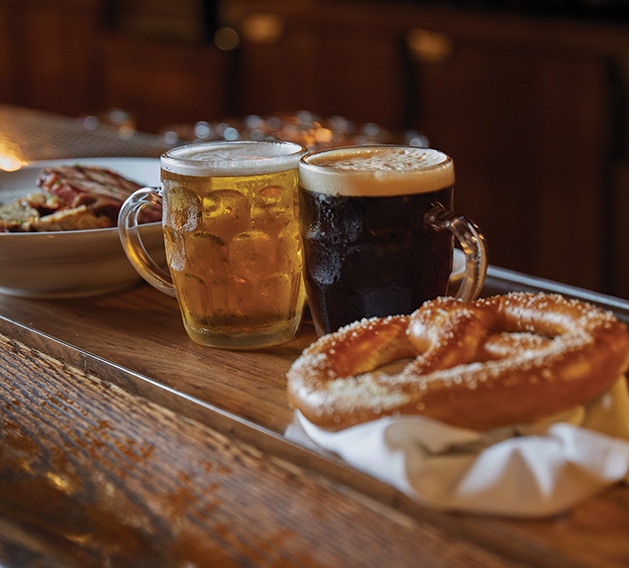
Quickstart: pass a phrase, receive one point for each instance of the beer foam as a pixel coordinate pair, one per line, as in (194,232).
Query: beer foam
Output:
(376,171)
(237,158)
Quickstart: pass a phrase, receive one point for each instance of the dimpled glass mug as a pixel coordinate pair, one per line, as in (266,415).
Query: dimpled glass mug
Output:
(378,229)
(232,240)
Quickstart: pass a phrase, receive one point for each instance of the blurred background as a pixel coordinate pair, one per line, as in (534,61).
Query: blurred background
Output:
(529,97)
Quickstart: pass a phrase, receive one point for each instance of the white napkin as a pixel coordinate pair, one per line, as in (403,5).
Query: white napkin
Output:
(535,470)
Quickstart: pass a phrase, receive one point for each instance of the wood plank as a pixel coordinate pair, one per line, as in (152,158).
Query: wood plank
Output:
(98,475)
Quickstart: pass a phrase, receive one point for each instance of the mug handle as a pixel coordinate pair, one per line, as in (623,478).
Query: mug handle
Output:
(132,242)
(472,244)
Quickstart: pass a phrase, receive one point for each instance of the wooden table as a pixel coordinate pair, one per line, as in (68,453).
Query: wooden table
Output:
(122,443)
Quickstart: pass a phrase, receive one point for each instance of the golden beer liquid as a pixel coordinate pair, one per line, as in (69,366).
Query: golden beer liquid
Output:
(234,253)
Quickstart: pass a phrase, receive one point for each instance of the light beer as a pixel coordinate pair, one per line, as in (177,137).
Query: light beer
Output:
(367,248)
(232,241)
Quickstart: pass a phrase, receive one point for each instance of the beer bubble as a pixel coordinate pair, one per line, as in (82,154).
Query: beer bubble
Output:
(289,246)
(206,254)
(252,254)
(327,227)
(277,290)
(271,208)
(182,209)
(326,267)
(241,301)
(225,212)
(175,250)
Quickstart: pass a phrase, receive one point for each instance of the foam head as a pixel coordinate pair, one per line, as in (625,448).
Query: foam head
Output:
(237,158)
(376,171)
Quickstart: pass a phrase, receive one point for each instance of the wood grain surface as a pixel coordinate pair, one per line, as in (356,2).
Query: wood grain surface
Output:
(92,476)
(125,444)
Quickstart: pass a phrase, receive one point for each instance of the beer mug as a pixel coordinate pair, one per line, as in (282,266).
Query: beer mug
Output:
(232,240)
(378,229)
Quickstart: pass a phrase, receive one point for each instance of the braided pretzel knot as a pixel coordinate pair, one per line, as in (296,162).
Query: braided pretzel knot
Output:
(502,360)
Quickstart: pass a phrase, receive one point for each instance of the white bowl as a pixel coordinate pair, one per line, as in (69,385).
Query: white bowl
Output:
(64,264)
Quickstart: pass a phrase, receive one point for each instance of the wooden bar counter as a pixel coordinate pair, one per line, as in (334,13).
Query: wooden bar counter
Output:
(122,443)
(123,440)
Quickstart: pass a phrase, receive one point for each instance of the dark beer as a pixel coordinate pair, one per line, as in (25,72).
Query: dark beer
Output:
(368,251)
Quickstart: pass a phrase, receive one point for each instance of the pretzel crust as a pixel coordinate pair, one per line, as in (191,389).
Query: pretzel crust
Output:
(502,360)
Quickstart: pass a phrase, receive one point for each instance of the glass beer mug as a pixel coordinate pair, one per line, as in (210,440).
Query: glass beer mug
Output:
(378,227)
(232,240)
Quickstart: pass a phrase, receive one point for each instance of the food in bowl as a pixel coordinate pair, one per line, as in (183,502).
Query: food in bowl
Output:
(72,197)
(72,263)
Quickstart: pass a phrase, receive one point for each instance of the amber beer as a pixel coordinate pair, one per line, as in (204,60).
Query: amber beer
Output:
(232,241)
(367,248)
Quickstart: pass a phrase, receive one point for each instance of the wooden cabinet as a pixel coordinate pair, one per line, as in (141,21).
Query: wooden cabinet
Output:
(66,56)
(6,84)
(48,52)
(164,82)
(528,129)
(303,59)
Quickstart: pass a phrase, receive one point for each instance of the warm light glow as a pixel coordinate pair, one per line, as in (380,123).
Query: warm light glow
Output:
(59,482)
(430,47)
(263,28)
(10,160)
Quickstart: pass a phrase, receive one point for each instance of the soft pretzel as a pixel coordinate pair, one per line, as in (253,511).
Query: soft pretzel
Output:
(497,361)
